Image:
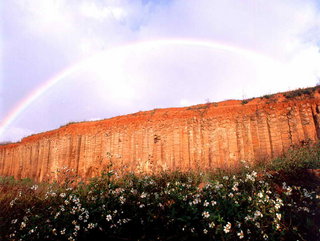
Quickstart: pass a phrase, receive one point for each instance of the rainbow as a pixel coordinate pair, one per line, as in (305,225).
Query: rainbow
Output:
(146,45)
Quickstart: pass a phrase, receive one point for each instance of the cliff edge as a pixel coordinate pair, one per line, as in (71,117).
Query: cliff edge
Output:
(206,136)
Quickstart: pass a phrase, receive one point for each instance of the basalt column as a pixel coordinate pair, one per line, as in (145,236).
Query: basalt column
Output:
(198,137)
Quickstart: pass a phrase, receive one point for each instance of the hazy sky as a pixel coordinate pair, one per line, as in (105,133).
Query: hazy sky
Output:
(132,55)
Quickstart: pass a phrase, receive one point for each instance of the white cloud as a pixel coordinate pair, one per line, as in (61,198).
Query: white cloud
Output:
(14,133)
(185,102)
(146,78)
(49,16)
(92,10)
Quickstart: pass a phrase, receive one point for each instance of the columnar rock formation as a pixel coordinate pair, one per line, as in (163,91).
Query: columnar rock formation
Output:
(198,137)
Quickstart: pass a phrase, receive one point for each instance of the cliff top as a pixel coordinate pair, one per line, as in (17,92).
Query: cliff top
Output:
(223,108)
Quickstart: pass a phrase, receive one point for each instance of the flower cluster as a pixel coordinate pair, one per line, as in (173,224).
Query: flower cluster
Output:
(245,206)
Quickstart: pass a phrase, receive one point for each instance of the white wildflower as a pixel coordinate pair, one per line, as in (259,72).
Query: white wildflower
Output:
(91,226)
(306,209)
(213,203)
(34,187)
(240,234)
(57,215)
(122,199)
(249,177)
(212,225)
(206,214)
(227,227)
(258,214)
(235,187)
(23,225)
(108,217)
(288,191)
(279,200)
(13,202)
(196,201)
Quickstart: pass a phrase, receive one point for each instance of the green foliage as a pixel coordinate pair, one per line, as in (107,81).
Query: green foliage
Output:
(267,96)
(266,204)
(71,123)
(199,107)
(270,98)
(243,102)
(295,159)
(300,92)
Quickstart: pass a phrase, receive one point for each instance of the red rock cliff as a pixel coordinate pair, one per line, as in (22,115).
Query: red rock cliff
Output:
(203,136)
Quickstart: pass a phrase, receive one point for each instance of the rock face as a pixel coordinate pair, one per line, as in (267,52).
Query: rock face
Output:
(198,137)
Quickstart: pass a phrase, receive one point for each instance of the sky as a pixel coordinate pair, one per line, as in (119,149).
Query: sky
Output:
(79,60)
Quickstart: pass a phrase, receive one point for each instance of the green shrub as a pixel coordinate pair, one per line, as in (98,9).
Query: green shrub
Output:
(300,92)
(243,102)
(267,96)
(275,202)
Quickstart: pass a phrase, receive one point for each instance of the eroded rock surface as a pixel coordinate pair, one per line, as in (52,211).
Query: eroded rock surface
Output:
(203,136)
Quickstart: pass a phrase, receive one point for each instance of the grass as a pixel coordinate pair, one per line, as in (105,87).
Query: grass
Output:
(279,200)
(300,92)
(246,101)
(71,123)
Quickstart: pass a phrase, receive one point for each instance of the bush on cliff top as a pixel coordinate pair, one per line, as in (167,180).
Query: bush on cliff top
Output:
(170,206)
(300,92)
